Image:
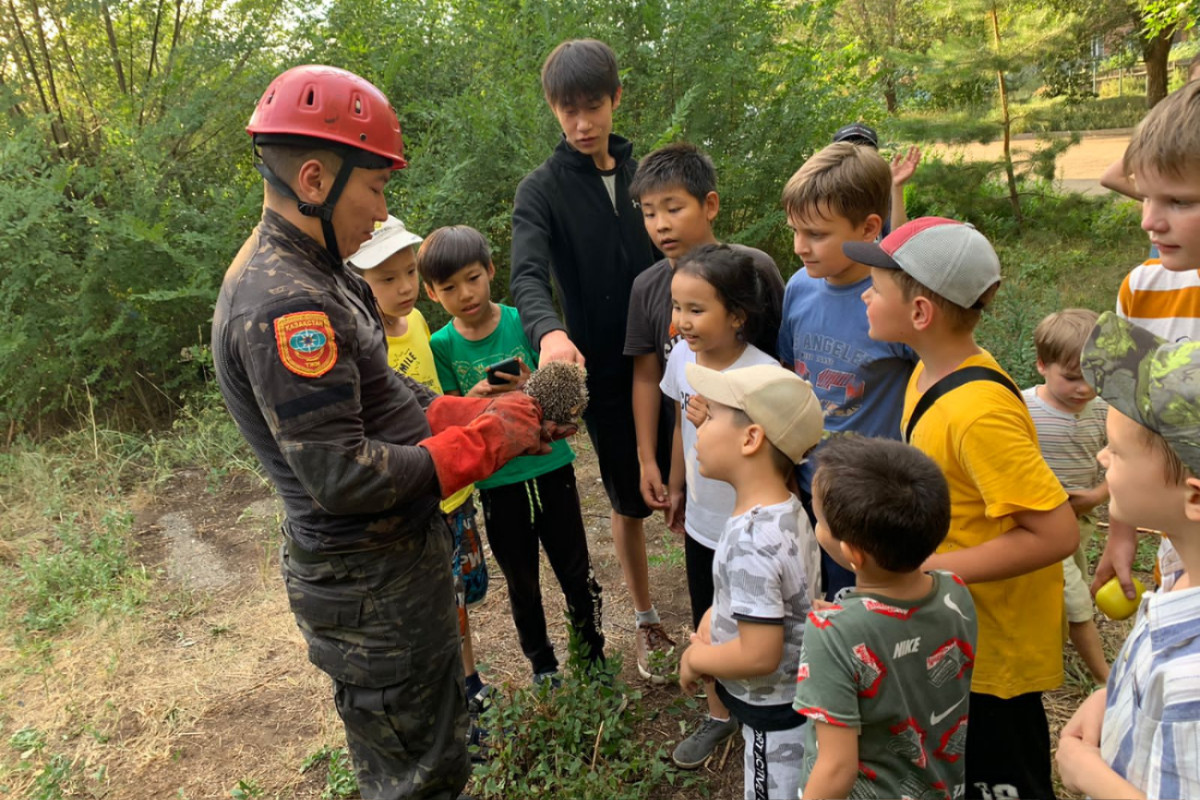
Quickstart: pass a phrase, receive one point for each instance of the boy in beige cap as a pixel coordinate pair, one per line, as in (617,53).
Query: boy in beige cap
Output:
(761,421)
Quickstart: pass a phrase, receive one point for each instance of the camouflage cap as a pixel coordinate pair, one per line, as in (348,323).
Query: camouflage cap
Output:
(1154,382)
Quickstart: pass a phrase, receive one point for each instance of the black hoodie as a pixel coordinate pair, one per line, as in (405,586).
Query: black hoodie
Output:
(564,225)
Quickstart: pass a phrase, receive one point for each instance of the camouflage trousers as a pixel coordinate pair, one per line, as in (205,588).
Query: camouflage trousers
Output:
(382,625)
(772,763)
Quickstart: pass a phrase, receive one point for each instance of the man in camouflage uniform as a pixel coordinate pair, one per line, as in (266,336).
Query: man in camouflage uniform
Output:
(359,455)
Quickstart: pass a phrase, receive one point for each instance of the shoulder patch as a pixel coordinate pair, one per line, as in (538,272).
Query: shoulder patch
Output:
(306,343)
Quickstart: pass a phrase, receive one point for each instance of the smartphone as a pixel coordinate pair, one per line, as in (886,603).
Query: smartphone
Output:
(511,366)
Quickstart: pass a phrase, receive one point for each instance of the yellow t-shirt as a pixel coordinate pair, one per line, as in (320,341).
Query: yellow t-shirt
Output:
(982,437)
(411,355)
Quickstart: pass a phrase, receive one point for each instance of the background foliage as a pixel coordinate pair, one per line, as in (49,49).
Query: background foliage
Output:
(127,182)
(126,169)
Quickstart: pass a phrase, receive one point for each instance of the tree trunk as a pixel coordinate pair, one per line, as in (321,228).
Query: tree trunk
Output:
(1005,119)
(1155,52)
(889,94)
(112,48)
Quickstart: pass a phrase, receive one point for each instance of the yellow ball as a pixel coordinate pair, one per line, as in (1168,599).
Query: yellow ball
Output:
(1111,599)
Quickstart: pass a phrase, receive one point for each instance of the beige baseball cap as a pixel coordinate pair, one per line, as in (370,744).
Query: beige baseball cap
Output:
(389,238)
(776,398)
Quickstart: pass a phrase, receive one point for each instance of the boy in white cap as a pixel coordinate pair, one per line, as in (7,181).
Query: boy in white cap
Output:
(388,263)
(760,422)
(1011,524)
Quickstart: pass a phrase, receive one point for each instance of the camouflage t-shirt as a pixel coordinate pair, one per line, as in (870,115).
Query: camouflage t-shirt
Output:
(900,672)
(758,577)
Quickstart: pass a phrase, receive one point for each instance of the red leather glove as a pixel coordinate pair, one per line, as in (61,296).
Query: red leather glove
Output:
(510,426)
(448,412)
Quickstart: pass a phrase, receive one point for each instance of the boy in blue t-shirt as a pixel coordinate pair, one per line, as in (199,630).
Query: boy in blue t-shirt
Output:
(532,498)
(839,195)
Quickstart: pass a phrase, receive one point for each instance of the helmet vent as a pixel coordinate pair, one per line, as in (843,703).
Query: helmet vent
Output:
(310,98)
(362,137)
(270,97)
(358,106)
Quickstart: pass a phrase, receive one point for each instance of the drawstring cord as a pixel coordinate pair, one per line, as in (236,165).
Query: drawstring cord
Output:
(535,499)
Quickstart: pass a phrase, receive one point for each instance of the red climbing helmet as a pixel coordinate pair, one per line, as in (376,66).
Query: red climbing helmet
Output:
(331,104)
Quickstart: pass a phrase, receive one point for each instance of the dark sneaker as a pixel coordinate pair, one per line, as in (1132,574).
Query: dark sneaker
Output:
(549,677)
(696,749)
(476,735)
(654,652)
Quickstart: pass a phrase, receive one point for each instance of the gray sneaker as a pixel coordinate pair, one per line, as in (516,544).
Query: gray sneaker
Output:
(695,749)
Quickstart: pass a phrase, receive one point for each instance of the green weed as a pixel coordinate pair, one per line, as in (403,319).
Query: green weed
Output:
(340,781)
(245,790)
(78,570)
(577,740)
(672,552)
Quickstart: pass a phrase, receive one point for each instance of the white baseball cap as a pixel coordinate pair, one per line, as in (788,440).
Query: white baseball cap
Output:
(776,398)
(389,238)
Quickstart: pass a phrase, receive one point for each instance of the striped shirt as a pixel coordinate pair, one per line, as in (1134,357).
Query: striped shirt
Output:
(1069,442)
(1162,301)
(1151,730)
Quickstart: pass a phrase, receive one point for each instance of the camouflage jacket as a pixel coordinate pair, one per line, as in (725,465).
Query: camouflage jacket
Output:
(301,360)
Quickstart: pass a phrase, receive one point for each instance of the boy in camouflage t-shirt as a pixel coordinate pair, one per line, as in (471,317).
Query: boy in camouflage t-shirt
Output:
(885,675)
(760,422)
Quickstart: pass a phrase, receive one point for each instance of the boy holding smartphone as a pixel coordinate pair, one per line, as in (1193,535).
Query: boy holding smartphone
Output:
(532,499)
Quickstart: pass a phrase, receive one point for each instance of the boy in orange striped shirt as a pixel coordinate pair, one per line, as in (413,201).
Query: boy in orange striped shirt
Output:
(1162,294)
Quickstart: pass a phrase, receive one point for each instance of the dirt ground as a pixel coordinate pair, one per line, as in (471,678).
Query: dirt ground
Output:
(1079,168)
(208,684)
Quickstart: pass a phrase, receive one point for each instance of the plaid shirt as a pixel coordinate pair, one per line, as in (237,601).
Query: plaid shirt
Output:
(1151,730)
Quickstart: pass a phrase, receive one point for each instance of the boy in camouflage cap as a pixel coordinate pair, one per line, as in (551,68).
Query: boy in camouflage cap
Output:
(1137,737)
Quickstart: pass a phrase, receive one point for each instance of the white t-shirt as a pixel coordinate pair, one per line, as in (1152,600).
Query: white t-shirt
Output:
(709,502)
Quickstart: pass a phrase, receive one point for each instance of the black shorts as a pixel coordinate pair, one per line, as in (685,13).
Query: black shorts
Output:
(1008,748)
(698,560)
(610,427)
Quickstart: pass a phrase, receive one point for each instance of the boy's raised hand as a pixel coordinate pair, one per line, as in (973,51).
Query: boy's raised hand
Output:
(904,165)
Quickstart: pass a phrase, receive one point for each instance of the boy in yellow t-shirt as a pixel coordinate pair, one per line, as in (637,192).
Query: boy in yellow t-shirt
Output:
(388,263)
(1011,524)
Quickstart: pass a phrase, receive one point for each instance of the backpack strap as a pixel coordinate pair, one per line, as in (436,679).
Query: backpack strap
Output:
(951,382)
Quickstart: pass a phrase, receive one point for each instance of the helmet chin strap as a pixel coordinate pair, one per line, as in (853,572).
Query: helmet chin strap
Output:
(324,211)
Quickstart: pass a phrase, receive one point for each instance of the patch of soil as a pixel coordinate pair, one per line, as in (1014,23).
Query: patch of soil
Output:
(210,685)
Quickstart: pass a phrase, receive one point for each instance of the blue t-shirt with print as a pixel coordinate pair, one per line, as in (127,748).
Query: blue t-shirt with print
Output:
(860,382)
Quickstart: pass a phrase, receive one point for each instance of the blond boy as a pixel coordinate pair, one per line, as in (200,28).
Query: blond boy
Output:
(839,195)
(1162,295)
(1070,425)
(1137,737)
(1011,525)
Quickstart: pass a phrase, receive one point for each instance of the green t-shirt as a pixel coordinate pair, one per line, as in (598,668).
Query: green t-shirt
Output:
(462,363)
(900,672)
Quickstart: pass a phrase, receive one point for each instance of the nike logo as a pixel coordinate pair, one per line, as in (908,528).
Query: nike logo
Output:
(953,606)
(934,719)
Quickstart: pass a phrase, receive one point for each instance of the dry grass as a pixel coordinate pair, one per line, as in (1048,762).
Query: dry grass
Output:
(198,691)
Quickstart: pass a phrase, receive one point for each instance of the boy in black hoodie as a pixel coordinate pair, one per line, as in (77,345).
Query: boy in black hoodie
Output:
(574,220)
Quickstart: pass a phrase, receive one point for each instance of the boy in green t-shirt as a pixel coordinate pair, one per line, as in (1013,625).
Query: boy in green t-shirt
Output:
(388,263)
(885,674)
(531,498)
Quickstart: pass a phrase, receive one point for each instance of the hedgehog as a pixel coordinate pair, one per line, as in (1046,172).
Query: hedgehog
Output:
(561,389)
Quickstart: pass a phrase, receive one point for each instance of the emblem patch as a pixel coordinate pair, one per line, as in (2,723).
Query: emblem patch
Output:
(305,343)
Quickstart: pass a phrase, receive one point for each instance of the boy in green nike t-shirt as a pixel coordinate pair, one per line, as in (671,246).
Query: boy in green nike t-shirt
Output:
(885,672)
